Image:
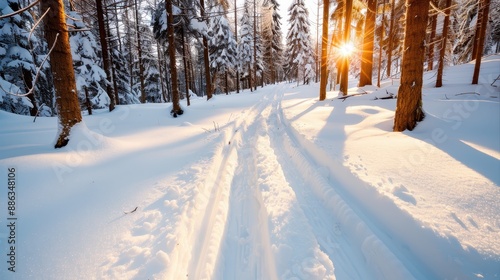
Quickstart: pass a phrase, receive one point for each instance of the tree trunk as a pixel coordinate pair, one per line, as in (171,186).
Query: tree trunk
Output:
(112,64)
(186,70)
(61,64)
(380,44)
(206,58)
(160,69)
(318,57)
(250,77)
(225,79)
(409,103)
(391,40)
(28,82)
(236,37)
(255,44)
(105,53)
(480,44)
(176,108)
(477,33)
(444,41)
(367,54)
(344,76)
(430,53)
(139,53)
(88,104)
(324,51)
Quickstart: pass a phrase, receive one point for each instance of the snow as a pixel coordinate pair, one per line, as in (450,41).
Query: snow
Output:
(272,184)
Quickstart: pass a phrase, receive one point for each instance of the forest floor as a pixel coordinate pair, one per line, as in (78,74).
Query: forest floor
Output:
(270,184)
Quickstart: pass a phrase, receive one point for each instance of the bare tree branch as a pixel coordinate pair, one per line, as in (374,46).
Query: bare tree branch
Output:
(20,11)
(37,73)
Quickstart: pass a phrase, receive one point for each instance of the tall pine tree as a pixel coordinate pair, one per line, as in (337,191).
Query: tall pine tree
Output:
(17,67)
(245,47)
(222,46)
(300,59)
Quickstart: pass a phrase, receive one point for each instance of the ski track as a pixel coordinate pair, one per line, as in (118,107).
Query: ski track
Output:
(258,208)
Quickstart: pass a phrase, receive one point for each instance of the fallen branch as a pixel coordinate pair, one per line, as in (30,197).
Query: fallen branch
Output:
(351,95)
(464,93)
(389,96)
(492,84)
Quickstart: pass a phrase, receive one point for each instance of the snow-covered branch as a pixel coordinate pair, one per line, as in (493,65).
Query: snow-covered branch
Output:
(37,73)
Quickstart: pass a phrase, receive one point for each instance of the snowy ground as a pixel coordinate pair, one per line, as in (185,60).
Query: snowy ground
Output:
(266,185)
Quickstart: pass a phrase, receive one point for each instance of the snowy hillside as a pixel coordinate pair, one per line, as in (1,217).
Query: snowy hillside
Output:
(266,185)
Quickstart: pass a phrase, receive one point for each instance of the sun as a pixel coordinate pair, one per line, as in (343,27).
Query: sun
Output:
(347,49)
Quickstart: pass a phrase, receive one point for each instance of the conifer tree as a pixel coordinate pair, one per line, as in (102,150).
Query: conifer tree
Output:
(300,59)
(245,50)
(17,68)
(222,45)
(271,41)
(90,77)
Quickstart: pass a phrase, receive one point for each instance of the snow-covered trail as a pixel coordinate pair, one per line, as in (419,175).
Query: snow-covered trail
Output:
(284,219)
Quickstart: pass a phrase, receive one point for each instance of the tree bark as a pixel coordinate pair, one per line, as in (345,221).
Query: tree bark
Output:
(236,36)
(391,40)
(444,41)
(367,54)
(61,64)
(176,108)
(206,58)
(139,53)
(105,53)
(112,64)
(477,33)
(344,76)
(430,53)
(184,61)
(480,44)
(28,82)
(324,51)
(380,44)
(255,44)
(409,103)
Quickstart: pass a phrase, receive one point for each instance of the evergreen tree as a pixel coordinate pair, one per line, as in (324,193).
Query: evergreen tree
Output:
(245,47)
(222,44)
(300,60)
(90,77)
(152,81)
(17,68)
(276,45)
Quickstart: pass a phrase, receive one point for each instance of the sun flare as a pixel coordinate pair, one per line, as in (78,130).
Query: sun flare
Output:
(347,49)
